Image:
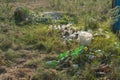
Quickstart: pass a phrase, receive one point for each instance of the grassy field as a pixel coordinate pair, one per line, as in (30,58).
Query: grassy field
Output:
(24,49)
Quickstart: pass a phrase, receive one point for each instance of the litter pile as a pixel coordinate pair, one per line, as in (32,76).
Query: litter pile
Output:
(65,57)
(71,33)
(75,59)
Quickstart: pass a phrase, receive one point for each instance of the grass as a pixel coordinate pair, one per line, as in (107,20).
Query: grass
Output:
(38,39)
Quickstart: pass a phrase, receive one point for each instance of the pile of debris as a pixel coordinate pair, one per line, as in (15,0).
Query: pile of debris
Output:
(63,60)
(71,33)
(75,59)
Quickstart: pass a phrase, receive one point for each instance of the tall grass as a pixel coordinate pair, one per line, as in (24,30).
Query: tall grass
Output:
(84,9)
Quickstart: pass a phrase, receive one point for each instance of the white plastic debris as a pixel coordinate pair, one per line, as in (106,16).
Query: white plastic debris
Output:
(72,36)
(55,27)
(84,37)
(69,24)
(63,27)
(71,33)
(90,31)
(75,66)
(59,27)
